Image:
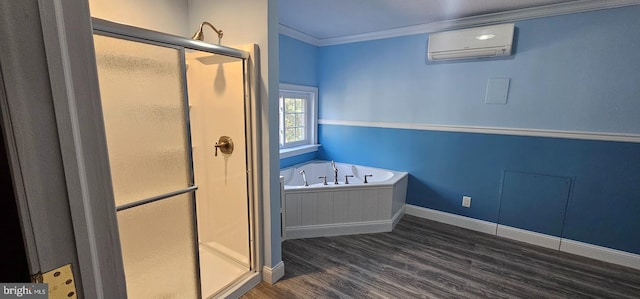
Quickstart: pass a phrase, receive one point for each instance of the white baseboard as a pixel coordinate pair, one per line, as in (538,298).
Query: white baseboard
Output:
(601,253)
(272,275)
(530,237)
(396,218)
(452,219)
(330,230)
(574,247)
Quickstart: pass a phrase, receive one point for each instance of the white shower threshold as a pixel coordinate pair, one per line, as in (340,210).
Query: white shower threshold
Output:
(217,271)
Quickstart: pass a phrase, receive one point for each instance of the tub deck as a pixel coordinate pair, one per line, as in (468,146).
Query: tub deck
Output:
(333,210)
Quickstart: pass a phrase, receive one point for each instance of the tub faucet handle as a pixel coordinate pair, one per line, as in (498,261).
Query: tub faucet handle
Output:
(325,179)
(346,179)
(365,178)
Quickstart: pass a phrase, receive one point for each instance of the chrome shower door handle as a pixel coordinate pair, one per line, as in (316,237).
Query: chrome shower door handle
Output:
(225,144)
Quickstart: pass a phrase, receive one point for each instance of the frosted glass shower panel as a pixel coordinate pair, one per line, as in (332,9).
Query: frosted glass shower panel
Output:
(158,249)
(143,102)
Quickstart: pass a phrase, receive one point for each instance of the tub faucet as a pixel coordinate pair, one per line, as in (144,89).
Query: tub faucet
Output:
(365,177)
(304,178)
(346,179)
(324,179)
(335,172)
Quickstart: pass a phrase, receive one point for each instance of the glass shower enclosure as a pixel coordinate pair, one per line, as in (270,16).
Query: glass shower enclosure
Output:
(176,119)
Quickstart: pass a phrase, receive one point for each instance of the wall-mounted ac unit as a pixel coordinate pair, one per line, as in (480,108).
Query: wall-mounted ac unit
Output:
(479,42)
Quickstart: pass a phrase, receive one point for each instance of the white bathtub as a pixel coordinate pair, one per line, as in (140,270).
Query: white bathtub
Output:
(321,210)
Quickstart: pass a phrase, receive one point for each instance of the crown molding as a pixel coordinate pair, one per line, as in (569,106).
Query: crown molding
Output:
(488,19)
(290,32)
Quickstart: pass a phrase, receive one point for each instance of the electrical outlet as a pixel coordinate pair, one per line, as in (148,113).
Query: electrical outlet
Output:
(466,201)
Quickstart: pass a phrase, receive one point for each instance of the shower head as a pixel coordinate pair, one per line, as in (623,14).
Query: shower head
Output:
(200,36)
(216,59)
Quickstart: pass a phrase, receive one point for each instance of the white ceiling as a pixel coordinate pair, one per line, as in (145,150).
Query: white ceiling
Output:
(323,19)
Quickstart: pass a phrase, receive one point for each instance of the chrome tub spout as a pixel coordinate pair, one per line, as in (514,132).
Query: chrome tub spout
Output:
(304,178)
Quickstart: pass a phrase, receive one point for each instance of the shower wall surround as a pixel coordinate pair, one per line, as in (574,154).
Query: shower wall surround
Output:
(575,73)
(171,16)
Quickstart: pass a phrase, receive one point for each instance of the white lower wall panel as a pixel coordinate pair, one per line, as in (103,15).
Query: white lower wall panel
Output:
(343,210)
(309,204)
(339,229)
(370,206)
(325,208)
(354,213)
(293,205)
(340,207)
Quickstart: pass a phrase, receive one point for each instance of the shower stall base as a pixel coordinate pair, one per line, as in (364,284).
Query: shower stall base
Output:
(218,271)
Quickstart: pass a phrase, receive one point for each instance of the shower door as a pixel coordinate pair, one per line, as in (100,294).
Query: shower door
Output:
(143,92)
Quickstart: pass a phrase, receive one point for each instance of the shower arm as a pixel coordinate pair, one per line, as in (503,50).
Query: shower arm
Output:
(199,35)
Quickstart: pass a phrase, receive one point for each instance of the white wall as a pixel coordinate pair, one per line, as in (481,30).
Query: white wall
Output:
(168,16)
(254,22)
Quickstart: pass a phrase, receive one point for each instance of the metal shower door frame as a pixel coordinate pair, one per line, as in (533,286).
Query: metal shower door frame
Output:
(164,38)
(191,188)
(116,30)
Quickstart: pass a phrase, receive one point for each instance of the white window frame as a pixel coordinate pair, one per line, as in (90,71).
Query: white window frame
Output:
(310,143)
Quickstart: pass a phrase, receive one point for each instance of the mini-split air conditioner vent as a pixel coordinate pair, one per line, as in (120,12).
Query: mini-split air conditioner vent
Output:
(479,42)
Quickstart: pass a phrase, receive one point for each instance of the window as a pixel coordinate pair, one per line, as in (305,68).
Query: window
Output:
(298,117)
(293,120)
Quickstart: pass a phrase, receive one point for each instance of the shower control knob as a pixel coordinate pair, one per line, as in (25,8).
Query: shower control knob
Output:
(225,144)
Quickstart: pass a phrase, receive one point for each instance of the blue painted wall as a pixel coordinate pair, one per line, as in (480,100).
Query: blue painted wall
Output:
(298,65)
(529,196)
(576,72)
(297,62)
(603,208)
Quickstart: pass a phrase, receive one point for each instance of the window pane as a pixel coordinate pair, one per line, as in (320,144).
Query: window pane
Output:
(300,134)
(290,135)
(289,120)
(299,105)
(300,120)
(289,105)
(295,133)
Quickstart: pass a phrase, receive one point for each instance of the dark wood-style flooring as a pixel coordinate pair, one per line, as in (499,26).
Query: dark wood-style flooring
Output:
(427,259)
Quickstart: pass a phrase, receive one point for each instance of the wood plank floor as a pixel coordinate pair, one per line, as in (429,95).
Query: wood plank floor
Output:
(427,259)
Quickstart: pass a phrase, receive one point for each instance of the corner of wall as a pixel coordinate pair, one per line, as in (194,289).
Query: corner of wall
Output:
(272,275)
